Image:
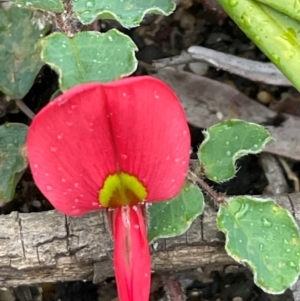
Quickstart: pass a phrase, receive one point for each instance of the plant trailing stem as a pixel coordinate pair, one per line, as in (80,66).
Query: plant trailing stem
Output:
(216,197)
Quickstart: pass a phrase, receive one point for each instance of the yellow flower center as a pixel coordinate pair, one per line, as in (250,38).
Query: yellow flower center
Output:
(122,189)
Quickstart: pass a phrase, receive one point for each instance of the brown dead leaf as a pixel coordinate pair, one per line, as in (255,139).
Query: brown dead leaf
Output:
(207,102)
(288,103)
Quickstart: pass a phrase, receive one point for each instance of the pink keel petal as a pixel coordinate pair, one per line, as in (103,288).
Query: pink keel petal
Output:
(131,256)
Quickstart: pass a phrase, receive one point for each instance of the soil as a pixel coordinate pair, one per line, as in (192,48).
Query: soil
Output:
(193,23)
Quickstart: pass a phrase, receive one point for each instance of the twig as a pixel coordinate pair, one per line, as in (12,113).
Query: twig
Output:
(253,70)
(147,66)
(290,174)
(256,71)
(23,107)
(184,58)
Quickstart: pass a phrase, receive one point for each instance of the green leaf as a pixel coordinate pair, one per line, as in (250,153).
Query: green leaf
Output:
(266,237)
(89,56)
(129,13)
(174,217)
(19,60)
(13,160)
(228,141)
(288,7)
(55,6)
(276,34)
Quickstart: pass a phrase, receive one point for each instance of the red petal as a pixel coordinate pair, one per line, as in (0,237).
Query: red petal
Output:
(131,256)
(135,125)
(151,134)
(70,149)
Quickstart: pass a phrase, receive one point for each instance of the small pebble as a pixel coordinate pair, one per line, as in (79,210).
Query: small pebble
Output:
(199,68)
(220,115)
(264,97)
(194,293)
(36,204)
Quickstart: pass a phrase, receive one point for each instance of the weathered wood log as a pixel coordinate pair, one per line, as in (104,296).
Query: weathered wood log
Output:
(50,247)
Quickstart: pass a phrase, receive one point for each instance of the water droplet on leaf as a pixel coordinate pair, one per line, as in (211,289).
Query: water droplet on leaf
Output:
(89,4)
(266,222)
(292,264)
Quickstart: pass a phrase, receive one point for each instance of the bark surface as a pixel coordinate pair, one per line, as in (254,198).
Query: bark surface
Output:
(51,247)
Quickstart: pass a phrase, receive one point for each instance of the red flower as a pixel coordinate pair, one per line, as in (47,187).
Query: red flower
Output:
(113,145)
